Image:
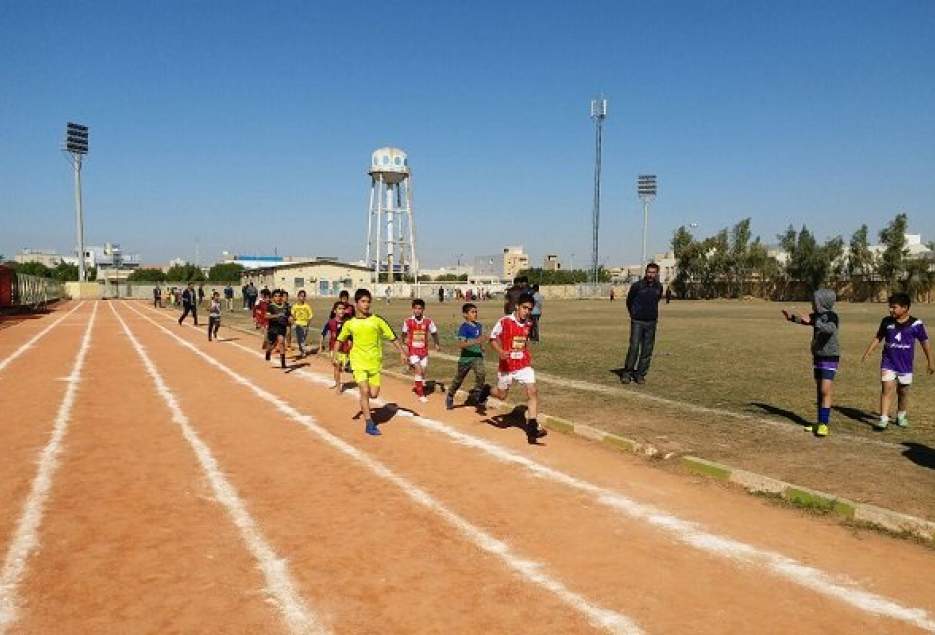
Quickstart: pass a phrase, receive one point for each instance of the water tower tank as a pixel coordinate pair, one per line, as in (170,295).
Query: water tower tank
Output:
(390,163)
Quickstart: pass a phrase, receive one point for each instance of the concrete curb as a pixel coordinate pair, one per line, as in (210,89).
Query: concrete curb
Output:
(753,483)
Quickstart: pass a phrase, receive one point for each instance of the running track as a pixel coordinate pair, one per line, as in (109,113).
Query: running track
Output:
(153,482)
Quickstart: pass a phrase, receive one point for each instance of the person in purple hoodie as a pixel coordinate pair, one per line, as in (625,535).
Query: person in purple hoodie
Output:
(899,333)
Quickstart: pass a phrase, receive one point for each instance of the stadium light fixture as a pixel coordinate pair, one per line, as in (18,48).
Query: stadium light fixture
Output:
(646,189)
(76,146)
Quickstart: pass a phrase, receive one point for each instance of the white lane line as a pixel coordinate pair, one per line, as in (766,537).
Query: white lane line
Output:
(26,537)
(688,532)
(35,338)
(279,584)
(532,571)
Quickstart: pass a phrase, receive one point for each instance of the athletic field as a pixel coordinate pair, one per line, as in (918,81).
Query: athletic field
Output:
(153,482)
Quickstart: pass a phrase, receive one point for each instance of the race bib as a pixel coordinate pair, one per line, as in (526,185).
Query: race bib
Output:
(418,337)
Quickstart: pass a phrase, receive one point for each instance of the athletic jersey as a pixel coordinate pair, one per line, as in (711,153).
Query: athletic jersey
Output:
(215,310)
(899,341)
(368,333)
(259,312)
(470,331)
(277,317)
(417,334)
(513,336)
(302,314)
(333,327)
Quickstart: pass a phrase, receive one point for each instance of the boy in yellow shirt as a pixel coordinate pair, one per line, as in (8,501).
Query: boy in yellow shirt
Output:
(368,331)
(301,315)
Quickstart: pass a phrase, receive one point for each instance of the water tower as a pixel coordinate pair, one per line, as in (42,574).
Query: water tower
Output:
(391,233)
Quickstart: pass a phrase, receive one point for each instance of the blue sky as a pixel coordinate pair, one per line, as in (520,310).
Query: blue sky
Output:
(249,127)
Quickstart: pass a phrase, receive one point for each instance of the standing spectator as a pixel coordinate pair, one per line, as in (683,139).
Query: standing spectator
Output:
(613,294)
(643,306)
(389,294)
(201,295)
(243,295)
(536,313)
(157,297)
(441,294)
(229,297)
(189,304)
(251,295)
(520,286)
(668,294)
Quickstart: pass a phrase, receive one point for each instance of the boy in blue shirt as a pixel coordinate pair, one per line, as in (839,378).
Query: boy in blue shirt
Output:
(472,358)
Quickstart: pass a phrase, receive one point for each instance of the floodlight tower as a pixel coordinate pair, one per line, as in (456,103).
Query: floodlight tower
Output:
(76,146)
(646,189)
(391,234)
(598,114)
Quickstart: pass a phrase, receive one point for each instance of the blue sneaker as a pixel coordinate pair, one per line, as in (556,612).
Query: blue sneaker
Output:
(372,428)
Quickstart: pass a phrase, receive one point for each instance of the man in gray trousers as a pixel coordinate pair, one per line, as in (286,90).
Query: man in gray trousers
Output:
(643,306)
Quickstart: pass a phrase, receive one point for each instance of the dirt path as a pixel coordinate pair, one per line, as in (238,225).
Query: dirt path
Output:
(131,540)
(626,562)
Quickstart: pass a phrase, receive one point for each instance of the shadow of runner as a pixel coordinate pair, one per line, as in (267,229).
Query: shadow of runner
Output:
(919,454)
(856,414)
(781,412)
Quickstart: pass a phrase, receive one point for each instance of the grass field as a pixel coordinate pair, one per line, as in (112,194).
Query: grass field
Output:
(734,357)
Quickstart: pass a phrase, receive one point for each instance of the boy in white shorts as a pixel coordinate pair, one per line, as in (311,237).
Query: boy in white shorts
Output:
(899,332)
(510,338)
(416,330)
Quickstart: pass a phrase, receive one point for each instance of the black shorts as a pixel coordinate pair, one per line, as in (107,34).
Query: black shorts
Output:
(273,333)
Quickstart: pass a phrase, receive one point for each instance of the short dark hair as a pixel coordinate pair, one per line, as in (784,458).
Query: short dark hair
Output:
(418,302)
(467,307)
(362,293)
(652,265)
(900,299)
(525,298)
(301,292)
(344,294)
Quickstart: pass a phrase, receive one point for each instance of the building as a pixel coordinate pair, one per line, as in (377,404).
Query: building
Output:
(48,257)
(551,263)
(668,268)
(514,261)
(316,277)
(456,270)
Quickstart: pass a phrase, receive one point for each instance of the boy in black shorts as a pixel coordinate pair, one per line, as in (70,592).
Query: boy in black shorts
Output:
(277,316)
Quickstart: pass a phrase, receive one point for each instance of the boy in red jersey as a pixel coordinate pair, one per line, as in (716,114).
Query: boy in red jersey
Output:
(416,329)
(332,328)
(259,310)
(510,337)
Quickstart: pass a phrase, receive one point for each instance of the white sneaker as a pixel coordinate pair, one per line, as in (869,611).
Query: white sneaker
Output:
(424,399)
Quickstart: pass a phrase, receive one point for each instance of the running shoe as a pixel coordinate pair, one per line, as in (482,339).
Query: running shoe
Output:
(821,430)
(902,422)
(880,425)
(424,399)
(372,428)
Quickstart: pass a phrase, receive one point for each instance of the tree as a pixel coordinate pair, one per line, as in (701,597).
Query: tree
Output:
(451,277)
(738,254)
(860,259)
(65,272)
(892,266)
(185,273)
(225,272)
(919,278)
(808,261)
(147,275)
(33,269)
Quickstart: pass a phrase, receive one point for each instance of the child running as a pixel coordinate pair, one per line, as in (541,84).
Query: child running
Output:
(302,314)
(510,338)
(214,316)
(332,328)
(899,332)
(826,353)
(417,329)
(368,331)
(470,338)
(277,316)
(259,310)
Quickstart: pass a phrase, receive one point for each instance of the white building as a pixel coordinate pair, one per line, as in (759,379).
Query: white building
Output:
(317,277)
(48,257)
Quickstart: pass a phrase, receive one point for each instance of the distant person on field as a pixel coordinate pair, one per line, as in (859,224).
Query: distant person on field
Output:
(251,296)
(668,294)
(536,314)
(470,341)
(643,305)
(229,297)
(301,315)
(201,295)
(389,294)
(899,333)
(259,311)
(612,294)
(214,316)
(277,323)
(332,328)
(157,297)
(189,304)
(366,357)
(520,286)
(441,295)
(826,352)
(417,329)
(243,296)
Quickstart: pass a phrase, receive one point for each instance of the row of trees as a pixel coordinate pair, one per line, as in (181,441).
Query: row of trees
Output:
(732,263)
(62,272)
(225,272)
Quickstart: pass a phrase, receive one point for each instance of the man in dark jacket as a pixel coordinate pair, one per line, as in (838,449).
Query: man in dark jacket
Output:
(189,303)
(643,306)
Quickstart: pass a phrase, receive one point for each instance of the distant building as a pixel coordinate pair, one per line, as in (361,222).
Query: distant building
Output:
(109,257)
(462,270)
(48,257)
(514,261)
(316,277)
(551,263)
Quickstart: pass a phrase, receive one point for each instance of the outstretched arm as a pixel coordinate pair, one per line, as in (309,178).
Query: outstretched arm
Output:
(927,349)
(873,344)
(797,319)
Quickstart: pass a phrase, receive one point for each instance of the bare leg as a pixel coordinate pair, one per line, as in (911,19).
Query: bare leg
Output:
(902,398)
(532,404)
(886,397)
(364,390)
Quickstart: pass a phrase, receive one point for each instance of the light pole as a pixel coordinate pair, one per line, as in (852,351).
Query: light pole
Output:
(598,114)
(646,189)
(76,145)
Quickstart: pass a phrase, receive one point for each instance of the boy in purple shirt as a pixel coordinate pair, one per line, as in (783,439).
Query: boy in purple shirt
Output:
(899,332)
